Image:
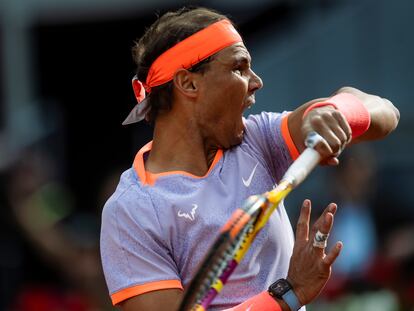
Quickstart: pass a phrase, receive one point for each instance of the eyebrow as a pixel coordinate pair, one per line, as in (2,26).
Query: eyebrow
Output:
(245,60)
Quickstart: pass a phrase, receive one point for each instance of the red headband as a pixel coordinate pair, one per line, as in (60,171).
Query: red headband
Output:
(186,54)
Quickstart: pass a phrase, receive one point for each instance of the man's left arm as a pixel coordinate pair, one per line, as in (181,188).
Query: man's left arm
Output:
(331,122)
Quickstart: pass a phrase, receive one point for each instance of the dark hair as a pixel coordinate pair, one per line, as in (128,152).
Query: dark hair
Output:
(163,34)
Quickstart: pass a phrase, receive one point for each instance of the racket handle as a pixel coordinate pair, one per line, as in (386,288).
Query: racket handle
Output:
(305,163)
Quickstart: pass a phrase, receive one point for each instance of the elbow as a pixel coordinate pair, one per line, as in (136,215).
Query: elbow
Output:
(387,120)
(396,116)
(393,115)
(384,115)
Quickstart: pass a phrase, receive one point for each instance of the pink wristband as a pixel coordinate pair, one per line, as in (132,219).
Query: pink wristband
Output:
(260,302)
(352,108)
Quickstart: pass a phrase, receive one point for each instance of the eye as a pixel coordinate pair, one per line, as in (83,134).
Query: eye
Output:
(238,70)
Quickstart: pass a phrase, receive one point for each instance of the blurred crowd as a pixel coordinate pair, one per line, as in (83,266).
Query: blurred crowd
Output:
(50,250)
(376,268)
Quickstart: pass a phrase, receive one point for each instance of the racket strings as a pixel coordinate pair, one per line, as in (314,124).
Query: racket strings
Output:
(222,266)
(226,253)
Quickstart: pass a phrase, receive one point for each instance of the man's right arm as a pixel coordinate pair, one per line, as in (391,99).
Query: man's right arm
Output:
(333,126)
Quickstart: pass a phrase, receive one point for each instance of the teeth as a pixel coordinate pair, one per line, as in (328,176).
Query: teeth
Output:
(249,105)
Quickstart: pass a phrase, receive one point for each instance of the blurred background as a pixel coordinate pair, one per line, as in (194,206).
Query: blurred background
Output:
(65,72)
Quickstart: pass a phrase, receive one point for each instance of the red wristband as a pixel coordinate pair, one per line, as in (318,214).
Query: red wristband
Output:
(352,108)
(260,302)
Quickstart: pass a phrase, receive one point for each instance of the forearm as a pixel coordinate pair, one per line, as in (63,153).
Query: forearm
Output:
(384,115)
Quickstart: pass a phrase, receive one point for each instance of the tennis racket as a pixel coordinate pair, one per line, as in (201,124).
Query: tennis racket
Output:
(239,232)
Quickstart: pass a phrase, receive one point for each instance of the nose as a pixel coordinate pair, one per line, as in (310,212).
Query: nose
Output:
(255,82)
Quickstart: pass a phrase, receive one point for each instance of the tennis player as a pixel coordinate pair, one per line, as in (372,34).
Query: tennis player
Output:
(194,81)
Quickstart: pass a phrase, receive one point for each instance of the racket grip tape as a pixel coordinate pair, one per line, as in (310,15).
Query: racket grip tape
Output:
(305,163)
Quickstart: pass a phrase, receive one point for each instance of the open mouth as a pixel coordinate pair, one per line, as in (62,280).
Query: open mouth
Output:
(249,102)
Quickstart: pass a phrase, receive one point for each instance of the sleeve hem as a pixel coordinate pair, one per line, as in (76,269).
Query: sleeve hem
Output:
(136,290)
(293,151)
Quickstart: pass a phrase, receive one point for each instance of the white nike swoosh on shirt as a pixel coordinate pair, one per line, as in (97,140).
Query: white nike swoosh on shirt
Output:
(249,180)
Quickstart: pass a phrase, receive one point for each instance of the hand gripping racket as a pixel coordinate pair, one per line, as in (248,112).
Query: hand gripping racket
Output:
(238,233)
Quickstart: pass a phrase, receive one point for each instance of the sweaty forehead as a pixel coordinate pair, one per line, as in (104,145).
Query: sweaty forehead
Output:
(234,52)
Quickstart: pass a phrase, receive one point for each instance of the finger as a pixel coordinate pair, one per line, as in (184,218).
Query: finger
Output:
(325,221)
(302,226)
(329,126)
(332,139)
(331,144)
(318,124)
(330,208)
(323,147)
(334,161)
(340,134)
(343,123)
(330,258)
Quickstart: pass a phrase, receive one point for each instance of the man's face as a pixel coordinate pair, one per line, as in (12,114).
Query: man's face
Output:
(227,88)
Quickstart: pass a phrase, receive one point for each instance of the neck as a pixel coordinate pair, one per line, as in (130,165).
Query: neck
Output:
(178,145)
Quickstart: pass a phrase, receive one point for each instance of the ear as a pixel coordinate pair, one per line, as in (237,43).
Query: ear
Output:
(185,82)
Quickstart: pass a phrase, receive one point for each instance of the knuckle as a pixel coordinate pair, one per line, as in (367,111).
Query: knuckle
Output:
(345,89)
(317,120)
(337,115)
(335,144)
(327,114)
(323,149)
(301,225)
(341,137)
(326,263)
(377,98)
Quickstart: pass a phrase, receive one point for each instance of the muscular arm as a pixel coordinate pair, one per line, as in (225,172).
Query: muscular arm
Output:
(327,122)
